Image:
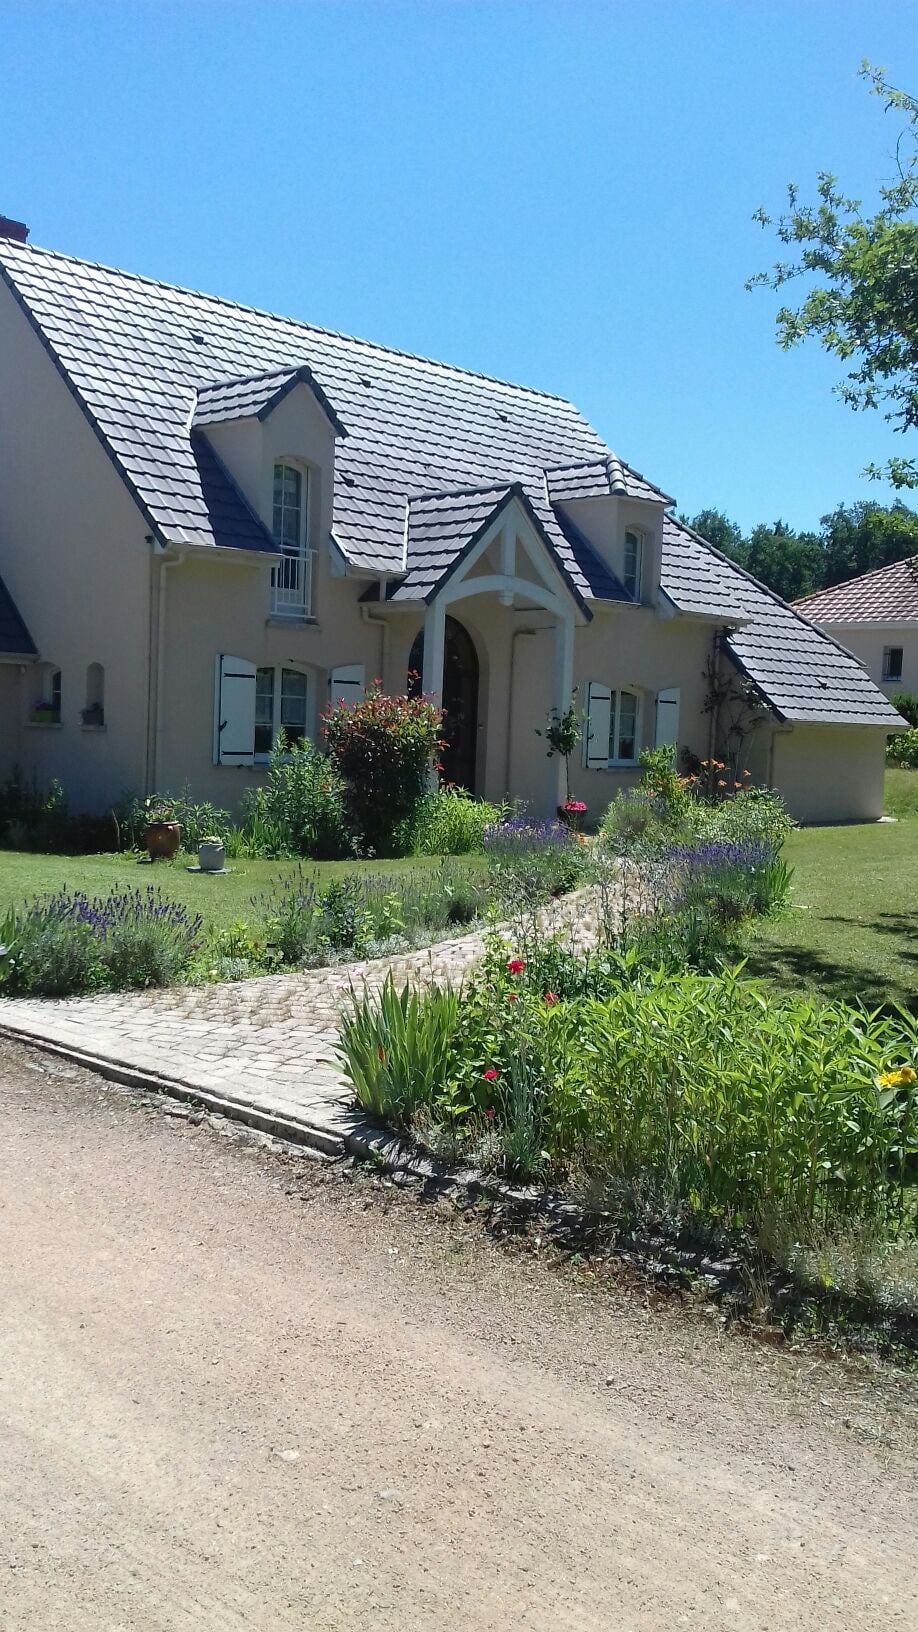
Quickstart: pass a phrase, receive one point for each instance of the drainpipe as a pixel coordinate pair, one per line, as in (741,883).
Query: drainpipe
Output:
(382,624)
(165,563)
(510,689)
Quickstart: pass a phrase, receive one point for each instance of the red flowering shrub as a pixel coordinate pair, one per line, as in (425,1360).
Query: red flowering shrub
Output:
(383,747)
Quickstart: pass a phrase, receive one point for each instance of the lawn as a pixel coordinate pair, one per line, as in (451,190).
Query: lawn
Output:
(221,899)
(852,930)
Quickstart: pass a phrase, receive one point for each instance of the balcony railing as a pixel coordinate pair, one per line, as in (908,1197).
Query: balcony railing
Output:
(292,586)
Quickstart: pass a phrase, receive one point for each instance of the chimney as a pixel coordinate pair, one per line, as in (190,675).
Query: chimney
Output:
(17,230)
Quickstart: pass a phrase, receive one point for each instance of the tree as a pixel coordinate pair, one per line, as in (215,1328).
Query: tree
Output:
(862,537)
(863,304)
(719,530)
(788,562)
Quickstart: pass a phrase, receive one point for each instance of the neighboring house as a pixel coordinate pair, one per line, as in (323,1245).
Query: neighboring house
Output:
(214,522)
(876,618)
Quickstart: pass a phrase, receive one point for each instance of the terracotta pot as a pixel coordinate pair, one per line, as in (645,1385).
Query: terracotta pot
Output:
(162,840)
(211,856)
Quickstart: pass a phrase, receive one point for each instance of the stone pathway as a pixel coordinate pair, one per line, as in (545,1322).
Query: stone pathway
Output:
(262,1050)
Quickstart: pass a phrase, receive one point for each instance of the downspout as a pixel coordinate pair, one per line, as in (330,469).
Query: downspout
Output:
(165,563)
(382,624)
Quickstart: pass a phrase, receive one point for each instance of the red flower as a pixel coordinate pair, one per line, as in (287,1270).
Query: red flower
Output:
(490,1113)
(515,966)
(512,997)
(382,1054)
(551,997)
(490,1076)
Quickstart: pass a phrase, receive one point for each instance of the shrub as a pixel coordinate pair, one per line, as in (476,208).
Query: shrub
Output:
(361,915)
(903,750)
(907,704)
(531,861)
(700,1095)
(451,823)
(396,1049)
(68,943)
(383,748)
(302,803)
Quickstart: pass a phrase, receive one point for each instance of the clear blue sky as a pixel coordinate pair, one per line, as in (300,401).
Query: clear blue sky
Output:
(557,192)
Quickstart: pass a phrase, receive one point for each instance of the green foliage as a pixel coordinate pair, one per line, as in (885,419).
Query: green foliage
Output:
(67,943)
(903,750)
(861,303)
(302,803)
(852,540)
(907,704)
(383,748)
(698,1095)
(451,823)
(530,862)
(396,1049)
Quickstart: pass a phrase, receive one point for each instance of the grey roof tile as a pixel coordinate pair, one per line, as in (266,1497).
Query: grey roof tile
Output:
(140,356)
(890,593)
(801,673)
(14,636)
(256,395)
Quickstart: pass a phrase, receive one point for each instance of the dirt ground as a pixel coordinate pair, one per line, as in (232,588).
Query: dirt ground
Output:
(240,1389)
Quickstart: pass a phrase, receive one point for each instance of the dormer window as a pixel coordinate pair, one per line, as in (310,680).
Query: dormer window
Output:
(292,578)
(633,563)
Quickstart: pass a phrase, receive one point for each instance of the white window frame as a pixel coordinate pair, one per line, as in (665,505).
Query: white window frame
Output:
(639,542)
(293,579)
(616,761)
(278,671)
(887,653)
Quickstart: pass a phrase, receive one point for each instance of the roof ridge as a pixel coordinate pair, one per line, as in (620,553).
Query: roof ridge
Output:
(463,492)
(910,561)
(772,596)
(296,322)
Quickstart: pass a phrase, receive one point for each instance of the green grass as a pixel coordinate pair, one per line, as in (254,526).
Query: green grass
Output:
(902,794)
(852,930)
(220,899)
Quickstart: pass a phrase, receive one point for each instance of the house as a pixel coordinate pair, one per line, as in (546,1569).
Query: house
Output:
(214,522)
(875,617)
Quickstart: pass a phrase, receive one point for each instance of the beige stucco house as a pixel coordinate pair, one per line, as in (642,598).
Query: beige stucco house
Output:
(214,522)
(875,617)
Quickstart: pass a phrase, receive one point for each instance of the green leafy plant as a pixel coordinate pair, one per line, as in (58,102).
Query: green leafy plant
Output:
(396,1049)
(301,805)
(903,750)
(383,748)
(563,732)
(451,822)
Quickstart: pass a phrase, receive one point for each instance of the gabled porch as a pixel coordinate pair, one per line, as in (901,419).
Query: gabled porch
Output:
(484,619)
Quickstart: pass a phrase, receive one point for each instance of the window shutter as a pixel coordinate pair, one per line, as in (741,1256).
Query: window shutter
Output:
(346,684)
(234,719)
(667,731)
(598,722)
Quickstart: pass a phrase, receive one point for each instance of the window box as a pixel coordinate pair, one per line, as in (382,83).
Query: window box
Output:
(44,715)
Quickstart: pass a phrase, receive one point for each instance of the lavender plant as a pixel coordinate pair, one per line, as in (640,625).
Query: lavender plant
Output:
(70,942)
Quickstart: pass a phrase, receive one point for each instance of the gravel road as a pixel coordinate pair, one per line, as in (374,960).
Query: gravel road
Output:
(239,1389)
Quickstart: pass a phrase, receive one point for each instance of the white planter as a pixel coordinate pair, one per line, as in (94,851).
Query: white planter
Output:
(211,858)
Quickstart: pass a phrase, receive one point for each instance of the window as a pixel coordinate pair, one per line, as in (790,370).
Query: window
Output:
(291,579)
(623,728)
(47,706)
(633,563)
(94,712)
(280,703)
(892,662)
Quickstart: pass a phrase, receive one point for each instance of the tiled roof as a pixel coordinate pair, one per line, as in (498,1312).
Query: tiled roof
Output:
(256,396)
(14,636)
(889,594)
(800,672)
(136,352)
(139,356)
(443,527)
(597,478)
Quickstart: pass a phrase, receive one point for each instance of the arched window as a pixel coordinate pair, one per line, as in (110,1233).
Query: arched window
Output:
(46,709)
(94,712)
(292,578)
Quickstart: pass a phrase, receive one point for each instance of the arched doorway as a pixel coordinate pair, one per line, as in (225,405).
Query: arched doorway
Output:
(459,700)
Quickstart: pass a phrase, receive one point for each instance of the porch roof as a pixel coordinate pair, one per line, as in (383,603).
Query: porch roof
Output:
(441,529)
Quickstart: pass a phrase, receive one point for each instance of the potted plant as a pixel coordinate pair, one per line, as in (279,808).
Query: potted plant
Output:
(93,715)
(44,714)
(162,834)
(562,733)
(211,854)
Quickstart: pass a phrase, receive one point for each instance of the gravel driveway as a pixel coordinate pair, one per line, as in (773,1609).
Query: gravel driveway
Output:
(240,1389)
